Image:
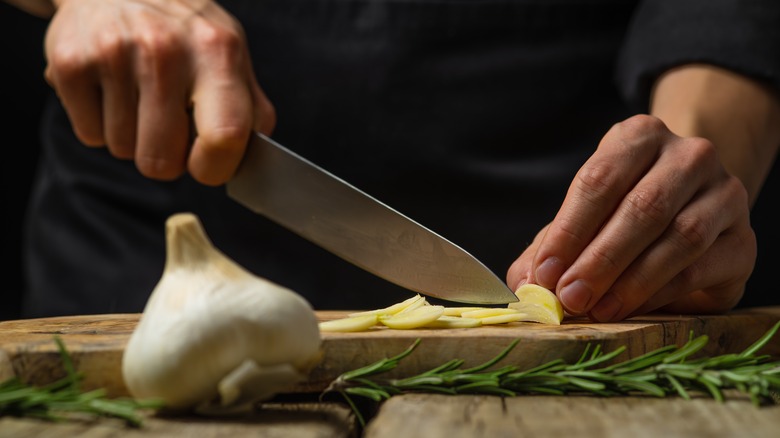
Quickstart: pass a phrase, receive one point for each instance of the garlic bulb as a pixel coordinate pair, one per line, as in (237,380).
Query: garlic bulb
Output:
(213,336)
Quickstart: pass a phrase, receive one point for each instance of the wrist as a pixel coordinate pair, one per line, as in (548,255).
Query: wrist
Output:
(39,8)
(739,115)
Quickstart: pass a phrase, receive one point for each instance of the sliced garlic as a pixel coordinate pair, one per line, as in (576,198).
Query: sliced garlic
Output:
(453,322)
(416,318)
(458,311)
(487,312)
(392,310)
(351,324)
(536,304)
(539,304)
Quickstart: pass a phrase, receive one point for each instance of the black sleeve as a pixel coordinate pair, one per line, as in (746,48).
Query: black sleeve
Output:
(739,35)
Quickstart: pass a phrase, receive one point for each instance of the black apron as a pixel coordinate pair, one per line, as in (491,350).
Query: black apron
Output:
(470,117)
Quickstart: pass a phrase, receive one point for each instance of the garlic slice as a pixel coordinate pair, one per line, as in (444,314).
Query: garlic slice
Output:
(215,335)
(414,318)
(350,324)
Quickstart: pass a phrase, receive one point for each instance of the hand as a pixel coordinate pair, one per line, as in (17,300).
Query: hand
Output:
(135,74)
(651,221)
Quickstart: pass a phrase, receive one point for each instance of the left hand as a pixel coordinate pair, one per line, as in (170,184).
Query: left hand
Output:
(651,221)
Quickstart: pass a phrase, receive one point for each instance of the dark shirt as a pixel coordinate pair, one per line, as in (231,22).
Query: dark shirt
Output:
(470,117)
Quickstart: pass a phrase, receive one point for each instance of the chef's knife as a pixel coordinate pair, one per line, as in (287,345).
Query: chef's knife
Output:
(311,202)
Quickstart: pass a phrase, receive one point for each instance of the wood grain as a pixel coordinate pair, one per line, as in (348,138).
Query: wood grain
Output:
(437,416)
(298,420)
(96,343)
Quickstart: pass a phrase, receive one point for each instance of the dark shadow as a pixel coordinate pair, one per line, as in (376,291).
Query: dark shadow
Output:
(22,92)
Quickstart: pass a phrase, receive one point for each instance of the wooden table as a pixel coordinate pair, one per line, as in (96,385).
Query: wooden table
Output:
(26,350)
(434,416)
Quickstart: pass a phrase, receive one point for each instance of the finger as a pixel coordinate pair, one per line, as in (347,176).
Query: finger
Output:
(719,276)
(691,235)
(640,219)
(224,117)
(596,191)
(78,88)
(264,114)
(717,279)
(163,121)
(264,111)
(120,100)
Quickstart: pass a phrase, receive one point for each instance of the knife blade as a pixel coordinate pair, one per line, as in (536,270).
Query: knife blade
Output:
(304,198)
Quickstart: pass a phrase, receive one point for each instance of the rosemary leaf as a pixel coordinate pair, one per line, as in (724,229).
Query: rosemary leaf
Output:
(64,396)
(688,349)
(374,394)
(678,387)
(751,350)
(668,370)
(598,359)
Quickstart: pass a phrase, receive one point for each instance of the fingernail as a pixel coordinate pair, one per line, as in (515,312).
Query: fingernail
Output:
(575,297)
(606,308)
(548,273)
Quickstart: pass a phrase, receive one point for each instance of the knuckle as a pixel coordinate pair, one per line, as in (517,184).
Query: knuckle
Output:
(66,62)
(569,230)
(112,46)
(641,124)
(227,42)
(224,138)
(701,151)
(156,45)
(737,192)
(158,49)
(648,204)
(694,233)
(596,179)
(605,256)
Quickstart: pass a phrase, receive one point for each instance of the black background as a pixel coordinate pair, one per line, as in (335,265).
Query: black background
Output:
(23,91)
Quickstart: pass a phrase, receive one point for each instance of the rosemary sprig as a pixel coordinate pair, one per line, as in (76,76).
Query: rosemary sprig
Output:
(666,371)
(64,396)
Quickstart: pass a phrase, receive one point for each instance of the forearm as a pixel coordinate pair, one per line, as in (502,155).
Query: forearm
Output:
(40,8)
(739,115)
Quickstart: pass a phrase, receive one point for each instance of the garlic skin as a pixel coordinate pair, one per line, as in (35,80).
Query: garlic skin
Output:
(213,335)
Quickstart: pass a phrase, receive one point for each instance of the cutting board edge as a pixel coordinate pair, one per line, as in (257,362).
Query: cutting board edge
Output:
(101,360)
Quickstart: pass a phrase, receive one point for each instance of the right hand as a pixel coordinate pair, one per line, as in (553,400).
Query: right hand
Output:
(134,74)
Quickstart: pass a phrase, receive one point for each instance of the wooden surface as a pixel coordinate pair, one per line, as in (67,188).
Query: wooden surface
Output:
(96,344)
(298,420)
(436,416)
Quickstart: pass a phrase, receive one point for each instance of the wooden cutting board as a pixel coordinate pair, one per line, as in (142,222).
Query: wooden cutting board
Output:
(96,343)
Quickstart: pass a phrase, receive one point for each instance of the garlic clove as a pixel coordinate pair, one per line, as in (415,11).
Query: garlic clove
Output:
(250,383)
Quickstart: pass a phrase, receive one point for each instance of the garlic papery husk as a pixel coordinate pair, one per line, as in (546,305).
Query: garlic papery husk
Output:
(214,335)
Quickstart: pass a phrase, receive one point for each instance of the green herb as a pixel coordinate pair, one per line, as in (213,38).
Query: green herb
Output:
(662,372)
(64,396)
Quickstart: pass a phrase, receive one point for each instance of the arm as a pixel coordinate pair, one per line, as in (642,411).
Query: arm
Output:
(656,220)
(740,116)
